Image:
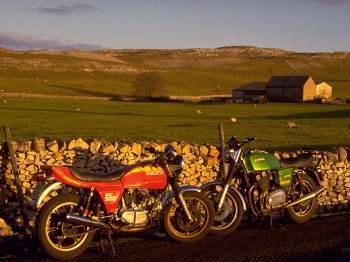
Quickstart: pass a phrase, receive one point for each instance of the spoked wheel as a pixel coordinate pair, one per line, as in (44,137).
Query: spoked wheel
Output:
(304,211)
(229,217)
(180,228)
(58,238)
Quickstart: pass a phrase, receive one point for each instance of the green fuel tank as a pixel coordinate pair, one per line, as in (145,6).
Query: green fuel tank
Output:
(260,162)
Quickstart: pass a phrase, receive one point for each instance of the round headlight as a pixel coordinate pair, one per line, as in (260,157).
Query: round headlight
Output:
(176,164)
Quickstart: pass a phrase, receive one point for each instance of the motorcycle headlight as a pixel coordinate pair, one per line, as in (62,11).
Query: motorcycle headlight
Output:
(176,164)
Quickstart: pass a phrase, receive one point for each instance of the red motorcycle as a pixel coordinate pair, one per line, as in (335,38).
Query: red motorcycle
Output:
(133,199)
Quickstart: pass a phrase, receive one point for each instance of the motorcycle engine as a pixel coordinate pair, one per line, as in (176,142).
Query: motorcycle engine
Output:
(275,199)
(137,206)
(270,196)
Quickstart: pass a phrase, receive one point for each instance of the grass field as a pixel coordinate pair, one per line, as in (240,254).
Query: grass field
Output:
(317,125)
(185,73)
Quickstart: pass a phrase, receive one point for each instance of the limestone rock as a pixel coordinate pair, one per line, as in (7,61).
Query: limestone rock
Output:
(204,150)
(95,147)
(52,146)
(39,144)
(5,230)
(214,152)
(81,144)
(71,144)
(342,154)
(136,149)
(186,149)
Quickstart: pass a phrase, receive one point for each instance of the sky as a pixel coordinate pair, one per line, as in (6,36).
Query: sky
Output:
(298,25)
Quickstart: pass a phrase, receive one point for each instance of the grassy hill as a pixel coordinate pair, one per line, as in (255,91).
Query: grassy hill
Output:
(186,71)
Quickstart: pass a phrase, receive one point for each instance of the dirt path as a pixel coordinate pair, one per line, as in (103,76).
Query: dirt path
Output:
(320,239)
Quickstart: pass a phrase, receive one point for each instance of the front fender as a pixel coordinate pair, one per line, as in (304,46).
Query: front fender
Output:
(210,184)
(42,190)
(182,190)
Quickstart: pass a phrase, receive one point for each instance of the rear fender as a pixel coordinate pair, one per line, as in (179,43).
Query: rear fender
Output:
(317,177)
(42,190)
(208,185)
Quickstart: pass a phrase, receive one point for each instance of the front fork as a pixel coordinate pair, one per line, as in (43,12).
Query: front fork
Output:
(232,171)
(179,198)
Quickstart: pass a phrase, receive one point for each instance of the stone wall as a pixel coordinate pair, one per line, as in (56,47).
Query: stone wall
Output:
(101,157)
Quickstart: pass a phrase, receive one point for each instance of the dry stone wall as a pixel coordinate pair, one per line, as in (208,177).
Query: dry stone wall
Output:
(101,157)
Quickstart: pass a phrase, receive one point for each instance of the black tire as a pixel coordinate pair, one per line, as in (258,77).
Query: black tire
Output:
(231,215)
(46,217)
(174,219)
(302,212)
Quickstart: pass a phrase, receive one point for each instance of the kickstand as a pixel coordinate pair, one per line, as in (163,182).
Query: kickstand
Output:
(110,242)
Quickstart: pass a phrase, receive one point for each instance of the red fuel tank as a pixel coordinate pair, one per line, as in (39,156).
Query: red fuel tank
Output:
(148,177)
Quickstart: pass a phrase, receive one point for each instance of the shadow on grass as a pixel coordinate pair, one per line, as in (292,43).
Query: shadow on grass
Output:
(345,113)
(131,114)
(83,91)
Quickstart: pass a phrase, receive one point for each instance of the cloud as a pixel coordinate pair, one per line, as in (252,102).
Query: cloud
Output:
(22,42)
(67,9)
(332,2)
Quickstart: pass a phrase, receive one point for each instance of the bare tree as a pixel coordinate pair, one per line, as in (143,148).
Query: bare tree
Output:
(148,83)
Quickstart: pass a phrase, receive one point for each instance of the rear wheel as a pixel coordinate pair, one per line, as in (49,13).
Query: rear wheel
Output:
(58,238)
(178,227)
(302,212)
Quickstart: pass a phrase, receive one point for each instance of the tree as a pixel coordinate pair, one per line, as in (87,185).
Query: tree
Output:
(148,83)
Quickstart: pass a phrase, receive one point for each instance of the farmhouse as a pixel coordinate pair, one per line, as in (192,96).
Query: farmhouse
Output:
(291,89)
(254,92)
(323,90)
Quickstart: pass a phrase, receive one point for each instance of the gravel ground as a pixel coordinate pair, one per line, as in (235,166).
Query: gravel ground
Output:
(322,239)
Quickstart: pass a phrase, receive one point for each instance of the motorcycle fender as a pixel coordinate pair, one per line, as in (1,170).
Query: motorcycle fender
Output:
(182,190)
(221,183)
(41,191)
(317,177)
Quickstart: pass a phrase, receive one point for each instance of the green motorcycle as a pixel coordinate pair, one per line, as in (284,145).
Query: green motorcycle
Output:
(262,185)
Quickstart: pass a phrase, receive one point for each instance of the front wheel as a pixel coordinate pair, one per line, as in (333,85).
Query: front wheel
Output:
(230,216)
(302,212)
(58,238)
(178,227)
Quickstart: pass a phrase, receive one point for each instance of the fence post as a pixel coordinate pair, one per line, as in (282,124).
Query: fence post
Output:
(15,171)
(223,168)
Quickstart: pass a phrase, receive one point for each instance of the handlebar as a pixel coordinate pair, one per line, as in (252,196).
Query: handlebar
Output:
(235,144)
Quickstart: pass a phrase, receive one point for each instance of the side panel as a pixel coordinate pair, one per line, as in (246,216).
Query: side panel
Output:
(110,192)
(284,176)
(110,195)
(148,177)
(260,162)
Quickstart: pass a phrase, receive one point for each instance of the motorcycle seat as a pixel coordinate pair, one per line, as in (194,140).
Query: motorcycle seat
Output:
(299,162)
(92,177)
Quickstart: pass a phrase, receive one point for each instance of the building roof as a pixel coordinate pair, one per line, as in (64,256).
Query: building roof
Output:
(287,81)
(253,86)
(323,84)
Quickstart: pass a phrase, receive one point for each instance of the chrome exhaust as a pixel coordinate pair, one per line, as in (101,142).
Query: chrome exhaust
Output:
(306,197)
(79,220)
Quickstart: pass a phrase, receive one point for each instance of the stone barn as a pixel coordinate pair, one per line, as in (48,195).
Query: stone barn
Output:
(254,92)
(323,90)
(296,89)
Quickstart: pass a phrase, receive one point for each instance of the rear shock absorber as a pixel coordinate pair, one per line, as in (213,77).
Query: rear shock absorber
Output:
(86,209)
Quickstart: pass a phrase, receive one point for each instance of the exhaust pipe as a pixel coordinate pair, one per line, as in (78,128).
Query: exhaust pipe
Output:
(79,220)
(306,197)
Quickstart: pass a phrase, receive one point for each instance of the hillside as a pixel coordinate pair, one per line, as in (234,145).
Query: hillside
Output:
(199,71)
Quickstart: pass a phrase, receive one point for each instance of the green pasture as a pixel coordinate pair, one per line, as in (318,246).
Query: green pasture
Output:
(317,125)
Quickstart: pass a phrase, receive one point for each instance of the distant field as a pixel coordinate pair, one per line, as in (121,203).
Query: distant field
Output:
(318,125)
(185,73)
